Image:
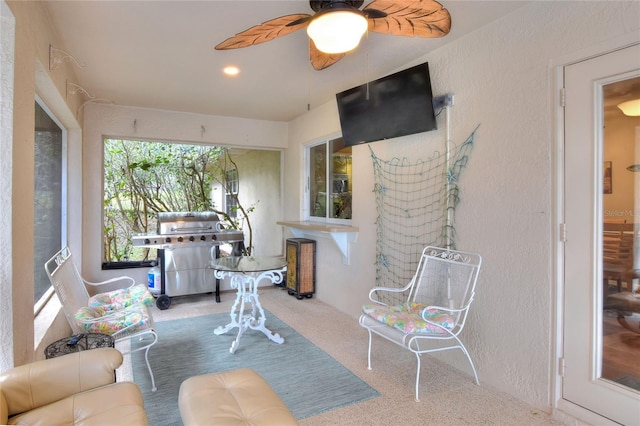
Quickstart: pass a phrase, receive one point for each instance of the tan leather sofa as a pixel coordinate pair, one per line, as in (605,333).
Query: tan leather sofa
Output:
(74,389)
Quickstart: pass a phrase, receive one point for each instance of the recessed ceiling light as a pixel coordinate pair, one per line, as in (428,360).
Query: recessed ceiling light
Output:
(231,70)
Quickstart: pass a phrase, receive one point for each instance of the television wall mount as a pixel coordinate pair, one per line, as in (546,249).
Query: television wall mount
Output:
(443,101)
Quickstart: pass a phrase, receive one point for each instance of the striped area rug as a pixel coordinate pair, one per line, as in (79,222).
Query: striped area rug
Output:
(306,378)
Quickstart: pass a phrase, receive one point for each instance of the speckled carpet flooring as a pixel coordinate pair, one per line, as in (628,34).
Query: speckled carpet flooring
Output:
(448,396)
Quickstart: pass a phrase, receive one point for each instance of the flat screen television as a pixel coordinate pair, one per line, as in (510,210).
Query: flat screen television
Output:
(396,105)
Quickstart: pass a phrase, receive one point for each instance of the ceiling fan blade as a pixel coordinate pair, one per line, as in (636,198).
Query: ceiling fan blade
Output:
(421,18)
(266,31)
(373,13)
(321,60)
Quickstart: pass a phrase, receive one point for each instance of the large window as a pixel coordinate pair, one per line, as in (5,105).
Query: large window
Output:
(330,178)
(142,178)
(49,196)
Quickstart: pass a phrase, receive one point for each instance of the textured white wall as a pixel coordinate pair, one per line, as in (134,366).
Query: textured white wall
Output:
(502,80)
(33,36)
(7,39)
(259,173)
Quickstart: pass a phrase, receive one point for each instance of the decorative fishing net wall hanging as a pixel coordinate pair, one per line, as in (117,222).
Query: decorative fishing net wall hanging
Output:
(415,206)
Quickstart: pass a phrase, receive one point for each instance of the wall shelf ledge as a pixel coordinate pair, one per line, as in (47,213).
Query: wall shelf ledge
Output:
(341,235)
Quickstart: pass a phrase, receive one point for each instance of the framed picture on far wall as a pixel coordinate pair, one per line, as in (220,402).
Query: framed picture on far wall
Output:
(607,182)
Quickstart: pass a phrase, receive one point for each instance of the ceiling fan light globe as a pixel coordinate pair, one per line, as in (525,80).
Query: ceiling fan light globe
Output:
(630,108)
(337,31)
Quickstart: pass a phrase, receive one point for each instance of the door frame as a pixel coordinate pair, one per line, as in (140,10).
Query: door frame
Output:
(562,408)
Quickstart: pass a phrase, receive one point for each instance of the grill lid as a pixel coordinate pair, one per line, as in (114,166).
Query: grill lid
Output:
(170,223)
(182,229)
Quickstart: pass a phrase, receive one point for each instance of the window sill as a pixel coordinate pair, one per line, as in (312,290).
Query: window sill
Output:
(128,265)
(341,235)
(45,330)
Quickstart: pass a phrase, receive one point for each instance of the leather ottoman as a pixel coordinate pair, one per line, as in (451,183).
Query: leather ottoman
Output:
(232,397)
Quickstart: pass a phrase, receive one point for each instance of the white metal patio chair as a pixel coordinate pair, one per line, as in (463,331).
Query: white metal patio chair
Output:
(124,314)
(432,308)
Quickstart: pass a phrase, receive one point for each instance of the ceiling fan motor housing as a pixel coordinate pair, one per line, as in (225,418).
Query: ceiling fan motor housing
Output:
(318,5)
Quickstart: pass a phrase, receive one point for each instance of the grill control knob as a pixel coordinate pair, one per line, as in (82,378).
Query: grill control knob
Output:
(214,237)
(179,239)
(147,241)
(203,237)
(192,238)
(167,240)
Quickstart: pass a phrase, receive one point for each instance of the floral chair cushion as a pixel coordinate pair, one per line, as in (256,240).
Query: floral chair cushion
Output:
(98,320)
(122,298)
(408,318)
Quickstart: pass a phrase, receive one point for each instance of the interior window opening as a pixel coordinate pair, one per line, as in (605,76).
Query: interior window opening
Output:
(143,178)
(330,177)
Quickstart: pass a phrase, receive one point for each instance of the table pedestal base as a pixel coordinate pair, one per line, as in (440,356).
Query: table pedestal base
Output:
(247,293)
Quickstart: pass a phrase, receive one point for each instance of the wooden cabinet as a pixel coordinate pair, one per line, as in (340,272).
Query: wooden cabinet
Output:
(301,267)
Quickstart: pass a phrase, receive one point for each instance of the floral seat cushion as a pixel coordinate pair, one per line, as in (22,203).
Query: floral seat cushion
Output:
(408,318)
(98,320)
(122,298)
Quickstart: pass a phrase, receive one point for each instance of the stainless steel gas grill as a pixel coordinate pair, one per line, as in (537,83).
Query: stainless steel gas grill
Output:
(186,242)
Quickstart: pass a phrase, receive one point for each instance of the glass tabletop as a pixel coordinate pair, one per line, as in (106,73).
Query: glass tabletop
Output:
(247,263)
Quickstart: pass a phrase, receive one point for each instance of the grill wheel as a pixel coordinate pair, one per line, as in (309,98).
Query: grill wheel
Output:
(163,302)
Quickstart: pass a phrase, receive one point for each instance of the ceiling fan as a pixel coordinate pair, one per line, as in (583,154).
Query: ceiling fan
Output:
(338,25)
